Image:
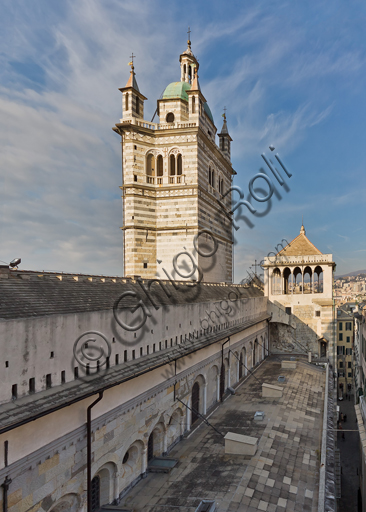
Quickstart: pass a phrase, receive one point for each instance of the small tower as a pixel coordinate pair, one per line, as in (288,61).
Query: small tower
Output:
(188,64)
(132,99)
(225,138)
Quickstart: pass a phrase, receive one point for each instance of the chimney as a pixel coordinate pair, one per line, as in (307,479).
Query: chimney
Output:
(4,271)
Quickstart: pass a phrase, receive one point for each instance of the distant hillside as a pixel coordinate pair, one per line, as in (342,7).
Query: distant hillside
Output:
(355,273)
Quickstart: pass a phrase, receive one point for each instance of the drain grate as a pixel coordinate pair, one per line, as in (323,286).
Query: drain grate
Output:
(206,506)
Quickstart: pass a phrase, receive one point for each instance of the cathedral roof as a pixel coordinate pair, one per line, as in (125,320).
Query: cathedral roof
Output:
(178,90)
(300,246)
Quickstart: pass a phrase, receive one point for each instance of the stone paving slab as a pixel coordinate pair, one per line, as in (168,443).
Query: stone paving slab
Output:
(282,475)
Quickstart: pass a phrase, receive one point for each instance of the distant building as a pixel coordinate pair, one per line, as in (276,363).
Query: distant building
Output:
(345,347)
(300,278)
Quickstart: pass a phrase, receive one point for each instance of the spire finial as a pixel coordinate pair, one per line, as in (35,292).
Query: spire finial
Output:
(131,62)
(224,114)
(189,38)
(302,230)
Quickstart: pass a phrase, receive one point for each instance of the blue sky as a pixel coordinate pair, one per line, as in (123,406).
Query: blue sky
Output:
(291,74)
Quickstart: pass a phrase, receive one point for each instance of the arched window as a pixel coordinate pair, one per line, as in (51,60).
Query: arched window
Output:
(150,165)
(308,277)
(137,105)
(276,281)
(190,74)
(159,165)
(170,117)
(179,165)
(286,276)
(172,165)
(209,176)
(213,178)
(297,280)
(184,71)
(193,105)
(126,101)
(318,280)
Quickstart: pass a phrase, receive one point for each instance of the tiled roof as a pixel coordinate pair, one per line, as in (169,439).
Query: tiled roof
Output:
(32,294)
(300,246)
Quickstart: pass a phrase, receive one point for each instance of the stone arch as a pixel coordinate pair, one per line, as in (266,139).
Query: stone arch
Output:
(198,397)
(261,348)
(318,279)
(308,280)
(235,368)
(157,440)
(132,463)
(106,475)
(276,281)
(286,280)
(213,385)
(227,372)
(174,428)
(67,503)
(150,164)
(250,355)
(159,165)
(297,280)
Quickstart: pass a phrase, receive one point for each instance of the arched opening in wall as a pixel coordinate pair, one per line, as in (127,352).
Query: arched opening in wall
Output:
(276,281)
(241,365)
(160,168)
(193,105)
(137,105)
(213,386)
(126,101)
(195,401)
(172,165)
(213,178)
(286,277)
(184,72)
(255,353)
(209,176)
(297,280)
(235,368)
(318,280)
(174,427)
(251,354)
(150,447)
(104,484)
(308,278)
(68,503)
(323,348)
(150,165)
(179,165)
(131,464)
(95,494)
(190,74)
(245,362)
(170,117)
(262,348)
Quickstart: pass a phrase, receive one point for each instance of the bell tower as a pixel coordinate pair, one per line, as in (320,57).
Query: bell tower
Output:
(173,175)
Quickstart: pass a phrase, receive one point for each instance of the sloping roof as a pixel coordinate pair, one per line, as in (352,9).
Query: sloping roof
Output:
(300,246)
(32,294)
(132,81)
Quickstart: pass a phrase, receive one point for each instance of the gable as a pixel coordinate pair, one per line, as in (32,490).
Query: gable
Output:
(300,246)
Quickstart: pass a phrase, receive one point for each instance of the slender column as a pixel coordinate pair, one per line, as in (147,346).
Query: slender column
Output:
(292,282)
(165,443)
(116,485)
(144,461)
(281,281)
(204,399)
(188,414)
(302,276)
(228,377)
(246,364)
(312,281)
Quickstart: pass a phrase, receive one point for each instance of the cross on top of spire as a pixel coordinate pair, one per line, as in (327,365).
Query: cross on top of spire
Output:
(189,37)
(131,62)
(224,114)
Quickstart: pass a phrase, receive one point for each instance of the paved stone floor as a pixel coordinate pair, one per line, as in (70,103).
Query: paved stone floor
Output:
(350,457)
(281,476)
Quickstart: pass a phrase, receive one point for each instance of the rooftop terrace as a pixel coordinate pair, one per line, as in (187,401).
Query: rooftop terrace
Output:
(282,475)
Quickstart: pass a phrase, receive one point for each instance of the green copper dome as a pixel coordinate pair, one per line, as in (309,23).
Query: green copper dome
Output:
(178,90)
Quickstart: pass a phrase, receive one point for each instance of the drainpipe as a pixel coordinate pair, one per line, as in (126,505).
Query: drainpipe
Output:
(222,365)
(89,450)
(5,486)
